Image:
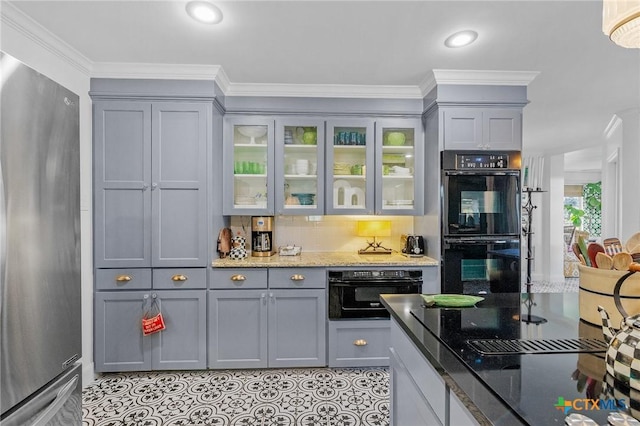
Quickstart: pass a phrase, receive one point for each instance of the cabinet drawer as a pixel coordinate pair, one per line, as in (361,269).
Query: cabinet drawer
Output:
(359,343)
(179,278)
(126,279)
(297,278)
(228,278)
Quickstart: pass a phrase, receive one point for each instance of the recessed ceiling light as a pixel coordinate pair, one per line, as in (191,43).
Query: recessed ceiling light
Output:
(461,38)
(204,12)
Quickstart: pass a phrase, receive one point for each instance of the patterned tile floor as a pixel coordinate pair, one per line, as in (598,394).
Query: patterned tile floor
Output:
(282,397)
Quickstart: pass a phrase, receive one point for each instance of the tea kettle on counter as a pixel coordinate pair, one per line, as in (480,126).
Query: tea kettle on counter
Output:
(412,245)
(622,359)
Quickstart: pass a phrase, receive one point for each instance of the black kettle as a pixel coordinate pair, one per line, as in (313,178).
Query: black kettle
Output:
(414,245)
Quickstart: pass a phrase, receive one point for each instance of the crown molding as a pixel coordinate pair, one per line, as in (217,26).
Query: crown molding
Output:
(476,77)
(156,71)
(216,72)
(612,126)
(13,17)
(324,91)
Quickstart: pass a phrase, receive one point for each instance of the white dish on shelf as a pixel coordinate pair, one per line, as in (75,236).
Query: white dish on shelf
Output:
(252,132)
(399,202)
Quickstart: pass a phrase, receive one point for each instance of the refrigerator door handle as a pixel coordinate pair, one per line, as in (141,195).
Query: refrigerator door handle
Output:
(63,394)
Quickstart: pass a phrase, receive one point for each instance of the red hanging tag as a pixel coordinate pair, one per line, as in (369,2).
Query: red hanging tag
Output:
(153,324)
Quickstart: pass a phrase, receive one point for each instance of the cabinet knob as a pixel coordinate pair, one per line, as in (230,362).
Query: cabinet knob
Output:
(179,277)
(360,342)
(238,277)
(297,277)
(123,278)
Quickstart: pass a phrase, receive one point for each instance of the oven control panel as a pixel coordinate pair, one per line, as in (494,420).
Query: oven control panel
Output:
(386,275)
(482,161)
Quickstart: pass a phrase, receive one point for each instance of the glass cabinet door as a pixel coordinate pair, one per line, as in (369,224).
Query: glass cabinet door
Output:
(248,147)
(399,170)
(350,167)
(299,177)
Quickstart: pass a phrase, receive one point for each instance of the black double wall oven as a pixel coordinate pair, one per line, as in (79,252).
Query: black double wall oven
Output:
(480,222)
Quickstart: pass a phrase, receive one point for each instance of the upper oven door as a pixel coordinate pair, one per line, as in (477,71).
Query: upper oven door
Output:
(481,203)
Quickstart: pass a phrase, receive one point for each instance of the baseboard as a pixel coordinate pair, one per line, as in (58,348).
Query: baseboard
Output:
(88,374)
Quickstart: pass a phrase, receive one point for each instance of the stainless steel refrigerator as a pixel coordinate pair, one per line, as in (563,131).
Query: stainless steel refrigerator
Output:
(40,249)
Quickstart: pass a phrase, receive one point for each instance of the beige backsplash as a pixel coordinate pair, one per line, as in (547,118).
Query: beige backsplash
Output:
(326,233)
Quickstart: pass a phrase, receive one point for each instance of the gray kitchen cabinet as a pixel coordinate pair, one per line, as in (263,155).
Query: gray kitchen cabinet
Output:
(299,171)
(419,394)
(297,324)
(237,329)
(498,129)
(248,168)
(150,180)
(281,324)
(121,346)
(350,166)
(359,343)
(399,167)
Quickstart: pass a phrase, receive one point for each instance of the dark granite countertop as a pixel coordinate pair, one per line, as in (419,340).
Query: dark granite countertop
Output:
(507,389)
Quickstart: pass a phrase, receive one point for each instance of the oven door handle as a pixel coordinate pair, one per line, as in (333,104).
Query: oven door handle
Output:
(342,283)
(450,241)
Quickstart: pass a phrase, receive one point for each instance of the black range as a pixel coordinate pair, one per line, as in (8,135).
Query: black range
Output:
(515,388)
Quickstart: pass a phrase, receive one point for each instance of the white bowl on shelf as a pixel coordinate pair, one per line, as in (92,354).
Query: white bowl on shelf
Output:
(252,132)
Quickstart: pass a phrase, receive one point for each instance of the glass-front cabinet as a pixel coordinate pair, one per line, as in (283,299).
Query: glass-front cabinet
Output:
(399,167)
(249,153)
(299,176)
(350,166)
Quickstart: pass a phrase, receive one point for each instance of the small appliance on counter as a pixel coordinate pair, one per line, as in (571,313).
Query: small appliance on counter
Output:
(412,245)
(290,250)
(262,236)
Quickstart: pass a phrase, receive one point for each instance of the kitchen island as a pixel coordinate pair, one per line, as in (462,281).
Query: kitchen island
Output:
(438,378)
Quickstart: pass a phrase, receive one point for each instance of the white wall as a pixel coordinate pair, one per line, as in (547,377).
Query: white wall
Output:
(56,63)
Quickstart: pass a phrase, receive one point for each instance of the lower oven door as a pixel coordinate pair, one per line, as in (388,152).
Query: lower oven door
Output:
(362,299)
(481,266)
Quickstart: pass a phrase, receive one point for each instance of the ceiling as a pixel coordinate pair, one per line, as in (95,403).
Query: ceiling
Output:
(584,78)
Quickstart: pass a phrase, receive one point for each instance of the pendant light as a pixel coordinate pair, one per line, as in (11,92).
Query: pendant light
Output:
(621,22)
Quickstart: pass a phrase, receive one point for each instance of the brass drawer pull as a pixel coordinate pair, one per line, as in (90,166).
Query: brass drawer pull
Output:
(179,277)
(238,277)
(123,278)
(360,342)
(297,277)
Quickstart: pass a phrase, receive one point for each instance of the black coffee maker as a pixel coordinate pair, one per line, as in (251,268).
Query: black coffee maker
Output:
(262,236)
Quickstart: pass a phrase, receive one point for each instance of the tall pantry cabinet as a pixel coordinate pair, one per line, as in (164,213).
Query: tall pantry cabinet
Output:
(151,233)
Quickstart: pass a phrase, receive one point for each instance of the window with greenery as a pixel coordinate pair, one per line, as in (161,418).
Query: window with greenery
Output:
(583,209)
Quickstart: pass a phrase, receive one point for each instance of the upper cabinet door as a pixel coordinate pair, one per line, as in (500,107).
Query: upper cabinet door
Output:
(502,129)
(350,166)
(248,151)
(179,183)
(299,174)
(462,128)
(399,167)
(122,176)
